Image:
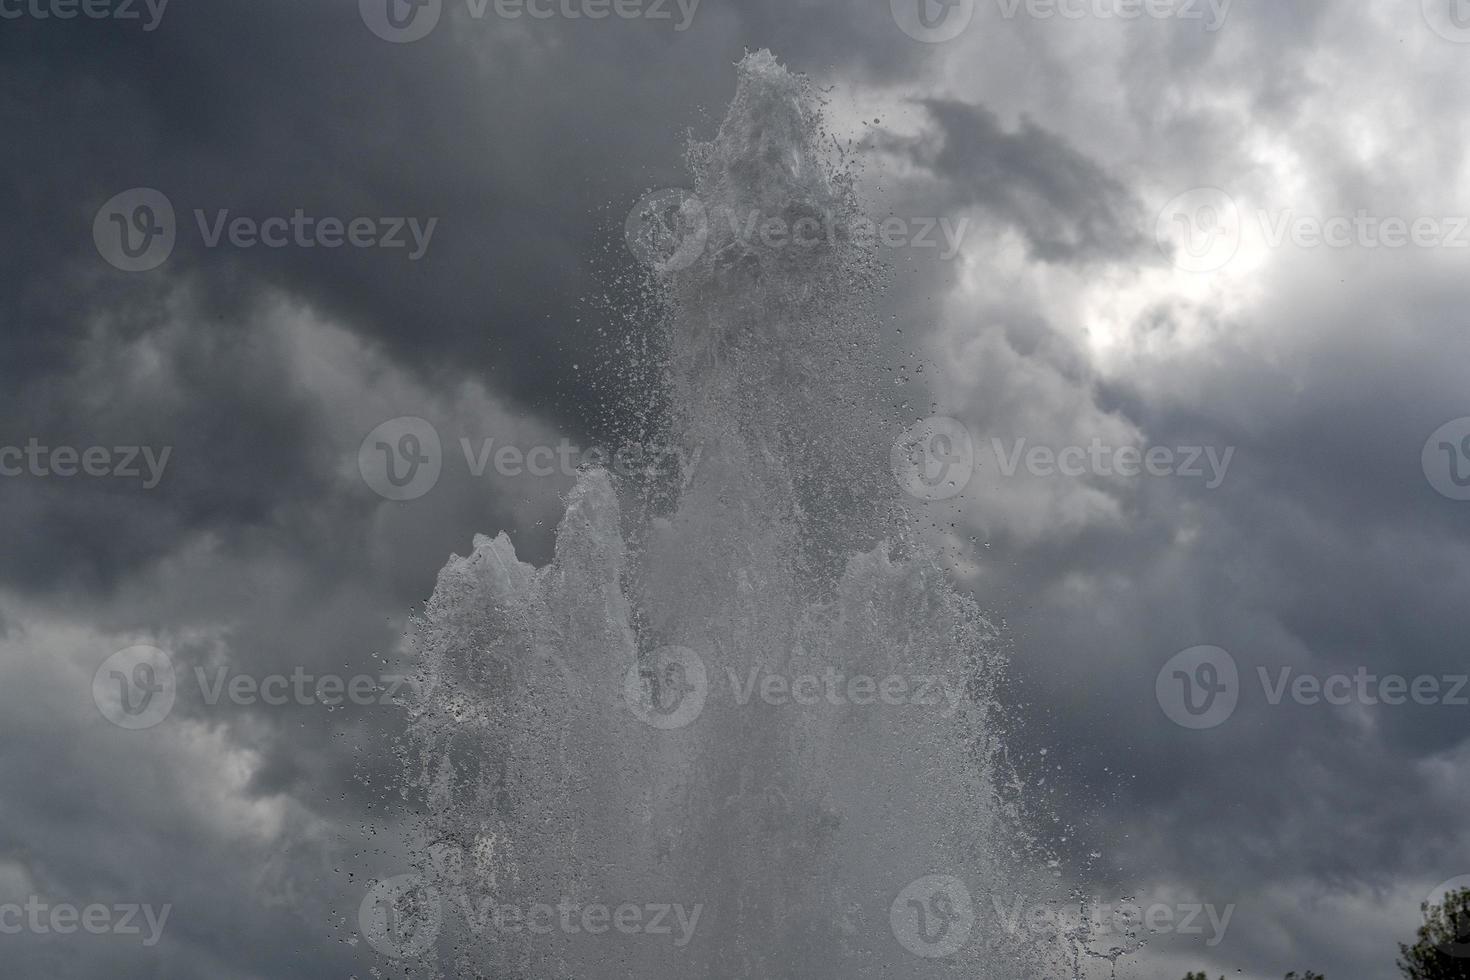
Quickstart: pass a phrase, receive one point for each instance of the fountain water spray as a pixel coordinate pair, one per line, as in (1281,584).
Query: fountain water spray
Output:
(750,735)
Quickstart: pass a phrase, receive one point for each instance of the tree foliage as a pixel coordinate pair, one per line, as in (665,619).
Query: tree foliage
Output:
(1441,950)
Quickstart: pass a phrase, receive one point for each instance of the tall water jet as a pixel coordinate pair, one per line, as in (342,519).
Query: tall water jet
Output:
(757,742)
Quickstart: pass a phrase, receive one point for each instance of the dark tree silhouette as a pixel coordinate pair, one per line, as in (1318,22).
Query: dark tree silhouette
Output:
(1441,950)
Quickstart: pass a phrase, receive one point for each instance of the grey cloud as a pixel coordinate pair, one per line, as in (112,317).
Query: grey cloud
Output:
(1068,207)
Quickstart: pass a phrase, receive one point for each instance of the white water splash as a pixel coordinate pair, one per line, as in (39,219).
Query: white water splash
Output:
(769,717)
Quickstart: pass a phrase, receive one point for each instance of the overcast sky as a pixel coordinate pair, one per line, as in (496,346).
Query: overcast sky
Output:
(1149,259)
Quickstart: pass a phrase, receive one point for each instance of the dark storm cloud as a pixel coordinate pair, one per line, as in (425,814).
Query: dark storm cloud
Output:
(528,142)
(254,535)
(1068,208)
(1326,551)
(499,130)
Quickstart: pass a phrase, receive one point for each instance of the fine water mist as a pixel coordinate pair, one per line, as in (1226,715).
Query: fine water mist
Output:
(741,725)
